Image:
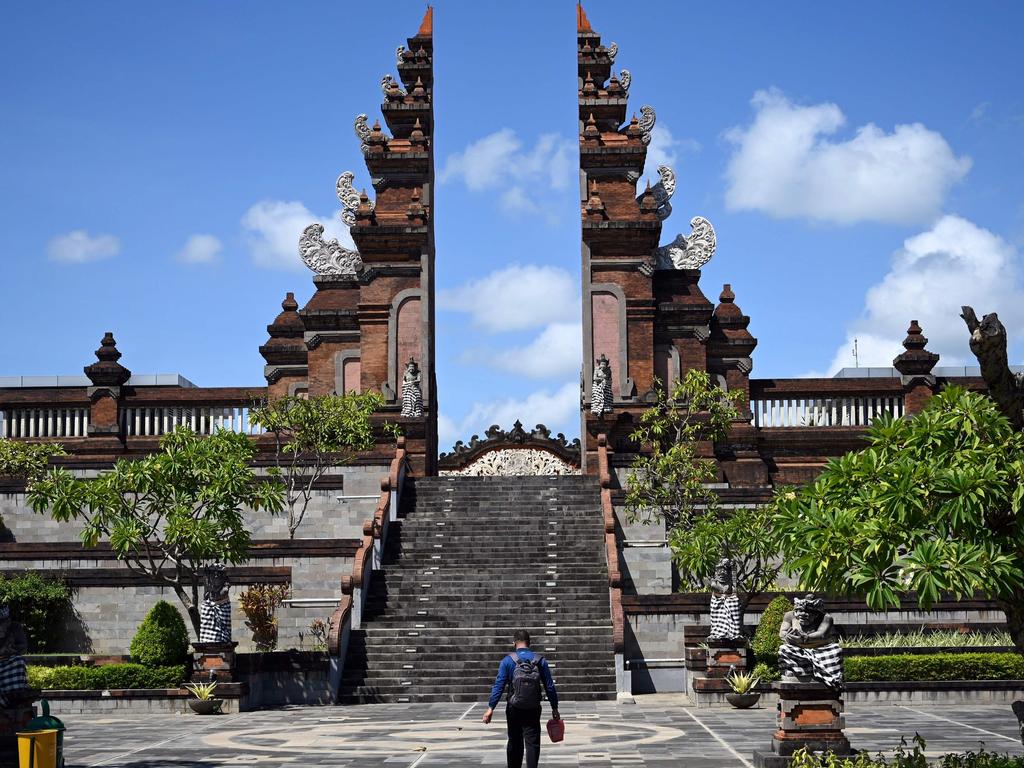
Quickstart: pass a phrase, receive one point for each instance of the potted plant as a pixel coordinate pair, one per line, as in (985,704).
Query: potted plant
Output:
(744,694)
(204,703)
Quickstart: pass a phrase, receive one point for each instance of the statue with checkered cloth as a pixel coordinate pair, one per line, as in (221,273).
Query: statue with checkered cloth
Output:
(810,651)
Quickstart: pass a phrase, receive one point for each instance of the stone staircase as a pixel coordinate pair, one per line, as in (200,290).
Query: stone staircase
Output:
(471,560)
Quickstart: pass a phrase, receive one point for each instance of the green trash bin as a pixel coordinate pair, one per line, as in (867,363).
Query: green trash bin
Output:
(47,722)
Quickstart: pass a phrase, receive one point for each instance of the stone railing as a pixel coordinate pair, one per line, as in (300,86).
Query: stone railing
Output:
(824,402)
(614,567)
(355,587)
(44,422)
(73,416)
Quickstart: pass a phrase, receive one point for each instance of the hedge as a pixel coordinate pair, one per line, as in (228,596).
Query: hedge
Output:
(766,640)
(39,604)
(935,666)
(161,638)
(79,678)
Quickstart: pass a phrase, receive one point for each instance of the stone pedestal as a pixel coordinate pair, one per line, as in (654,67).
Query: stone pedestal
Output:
(15,718)
(213,662)
(725,656)
(810,716)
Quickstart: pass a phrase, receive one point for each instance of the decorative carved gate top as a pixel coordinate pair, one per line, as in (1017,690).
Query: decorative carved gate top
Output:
(515,452)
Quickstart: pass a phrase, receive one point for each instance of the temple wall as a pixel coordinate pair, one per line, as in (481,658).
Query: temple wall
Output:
(110,602)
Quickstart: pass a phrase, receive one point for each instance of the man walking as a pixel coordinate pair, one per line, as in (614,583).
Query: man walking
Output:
(523,672)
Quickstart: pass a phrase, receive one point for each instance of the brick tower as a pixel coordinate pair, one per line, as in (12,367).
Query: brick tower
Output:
(643,309)
(373,309)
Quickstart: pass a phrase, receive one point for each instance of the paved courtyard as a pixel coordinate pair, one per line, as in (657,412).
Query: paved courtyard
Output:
(657,732)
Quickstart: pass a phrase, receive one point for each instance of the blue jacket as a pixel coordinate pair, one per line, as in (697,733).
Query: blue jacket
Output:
(504,678)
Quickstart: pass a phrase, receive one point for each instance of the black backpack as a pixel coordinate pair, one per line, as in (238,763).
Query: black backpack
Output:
(526,682)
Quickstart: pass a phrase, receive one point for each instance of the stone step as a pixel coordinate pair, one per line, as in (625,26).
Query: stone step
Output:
(367,696)
(496,623)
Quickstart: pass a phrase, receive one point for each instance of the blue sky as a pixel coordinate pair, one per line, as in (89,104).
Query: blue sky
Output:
(863,165)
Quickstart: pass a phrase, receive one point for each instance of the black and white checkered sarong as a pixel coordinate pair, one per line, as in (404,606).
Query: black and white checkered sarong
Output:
(13,677)
(824,664)
(725,617)
(215,622)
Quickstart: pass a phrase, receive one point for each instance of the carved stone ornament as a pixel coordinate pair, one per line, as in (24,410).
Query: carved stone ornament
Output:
(663,191)
(398,54)
(388,85)
(646,123)
(327,257)
(691,252)
(515,452)
(613,51)
(515,461)
(362,131)
(625,78)
(349,198)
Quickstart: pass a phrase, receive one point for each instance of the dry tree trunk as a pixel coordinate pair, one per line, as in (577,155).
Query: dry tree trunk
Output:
(988,343)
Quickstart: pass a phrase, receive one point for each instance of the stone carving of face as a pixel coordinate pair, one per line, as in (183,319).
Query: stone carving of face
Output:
(808,610)
(723,571)
(216,581)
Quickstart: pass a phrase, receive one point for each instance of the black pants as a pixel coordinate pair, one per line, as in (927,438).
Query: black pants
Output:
(523,733)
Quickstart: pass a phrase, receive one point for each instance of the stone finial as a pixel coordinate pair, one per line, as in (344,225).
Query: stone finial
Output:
(582,23)
(427,25)
(915,360)
(107,372)
(590,130)
(595,206)
(417,138)
(614,86)
(634,127)
(286,343)
(589,89)
(648,202)
(416,213)
(419,93)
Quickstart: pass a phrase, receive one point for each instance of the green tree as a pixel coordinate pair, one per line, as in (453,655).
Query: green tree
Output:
(933,505)
(26,460)
(169,514)
(161,639)
(313,434)
(669,482)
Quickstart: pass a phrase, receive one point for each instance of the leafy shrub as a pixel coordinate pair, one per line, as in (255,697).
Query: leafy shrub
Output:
(935,666)
(39,604)
(78,678)
(903,758)
(259,603)
(765,671)
(161,638)
(922,638)
(766,640)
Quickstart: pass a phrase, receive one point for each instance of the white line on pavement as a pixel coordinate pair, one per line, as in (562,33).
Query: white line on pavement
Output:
(216,722)
(964,725)
(467,711)
(720,740)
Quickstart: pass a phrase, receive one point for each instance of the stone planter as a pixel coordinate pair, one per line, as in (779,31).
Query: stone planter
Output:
(206,706)
(742,700)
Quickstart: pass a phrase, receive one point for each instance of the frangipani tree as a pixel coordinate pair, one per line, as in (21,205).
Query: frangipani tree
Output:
(169,514)
(932,505)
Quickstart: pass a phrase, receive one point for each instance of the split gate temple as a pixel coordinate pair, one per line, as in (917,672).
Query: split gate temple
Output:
(405,566)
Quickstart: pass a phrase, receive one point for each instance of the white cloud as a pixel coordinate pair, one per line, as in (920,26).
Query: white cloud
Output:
(555,353)
(558,410)
(200,249)
(79,247)
(954,263)
(499,160)
(783,164)
(516,298)
(274,226)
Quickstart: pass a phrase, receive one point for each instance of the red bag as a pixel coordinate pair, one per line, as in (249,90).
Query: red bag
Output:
(556,729)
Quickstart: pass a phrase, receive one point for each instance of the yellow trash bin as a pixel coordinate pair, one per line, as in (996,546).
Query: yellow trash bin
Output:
(37,749)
